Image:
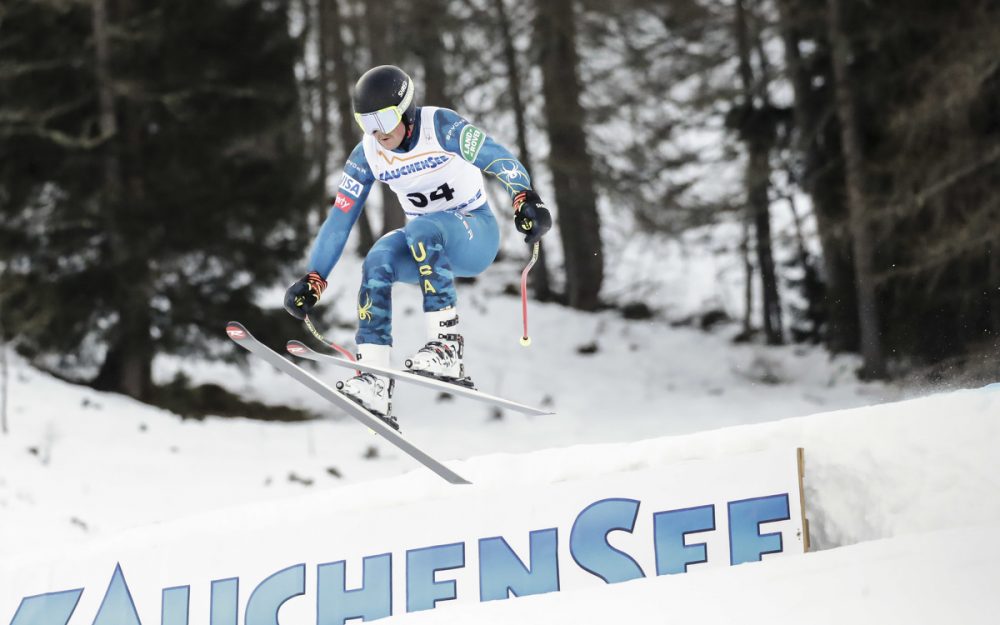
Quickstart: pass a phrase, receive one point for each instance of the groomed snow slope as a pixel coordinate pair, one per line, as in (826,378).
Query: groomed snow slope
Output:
(903,500)
(904,503)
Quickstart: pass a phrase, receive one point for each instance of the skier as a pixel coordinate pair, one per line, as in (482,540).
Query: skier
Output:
(432,159)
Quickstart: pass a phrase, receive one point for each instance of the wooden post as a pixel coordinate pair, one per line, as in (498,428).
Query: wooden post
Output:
(802,499)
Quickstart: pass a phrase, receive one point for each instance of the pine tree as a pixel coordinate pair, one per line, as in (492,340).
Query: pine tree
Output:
(571,165)
(817,166)
(153,176)
(756,120)
(540,278)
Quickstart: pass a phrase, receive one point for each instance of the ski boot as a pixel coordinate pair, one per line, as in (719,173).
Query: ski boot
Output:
(372,392)
(441,357)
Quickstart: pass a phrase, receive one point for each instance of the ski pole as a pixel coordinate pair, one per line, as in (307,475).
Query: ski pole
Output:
(525,339)
(323,339)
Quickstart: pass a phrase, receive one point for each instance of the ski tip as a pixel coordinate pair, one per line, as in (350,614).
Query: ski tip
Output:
(297,348)
(236,331)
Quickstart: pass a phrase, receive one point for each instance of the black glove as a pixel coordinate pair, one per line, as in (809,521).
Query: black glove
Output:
(303,295)
(530,216)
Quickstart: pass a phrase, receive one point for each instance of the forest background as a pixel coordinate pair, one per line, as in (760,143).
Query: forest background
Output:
(162,163)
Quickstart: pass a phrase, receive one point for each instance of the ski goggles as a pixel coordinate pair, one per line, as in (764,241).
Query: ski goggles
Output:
(382,120)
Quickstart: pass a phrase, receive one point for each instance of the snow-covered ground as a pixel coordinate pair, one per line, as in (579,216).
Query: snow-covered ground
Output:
(79,464)
(903,498)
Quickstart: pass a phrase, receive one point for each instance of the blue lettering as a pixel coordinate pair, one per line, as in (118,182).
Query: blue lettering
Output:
(175,606)
(225,601)
(502,573)
(746,543)
(669,530)
(588,541)
(373,600)
(54,608)
(428,163)
(117,608)
(422,590)
(272,593)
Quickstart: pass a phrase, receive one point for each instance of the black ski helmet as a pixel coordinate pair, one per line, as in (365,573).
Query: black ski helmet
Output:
(385,86)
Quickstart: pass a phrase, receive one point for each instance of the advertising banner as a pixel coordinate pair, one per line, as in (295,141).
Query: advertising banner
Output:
(375,551)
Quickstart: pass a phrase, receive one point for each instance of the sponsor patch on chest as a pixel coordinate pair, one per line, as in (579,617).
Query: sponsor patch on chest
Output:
(422,165)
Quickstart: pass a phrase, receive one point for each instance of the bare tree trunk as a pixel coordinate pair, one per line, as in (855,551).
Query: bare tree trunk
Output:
(342,96)
(3,363)
(822,178)
(540,279)
(800,237)
(514,81)
(106,102)
(811,284)
(864,243)
(994,280)
(758,133)
(758,173)
(127,367)
(323,24)
(747,280)
(429,19)
(571,164)
(3,338)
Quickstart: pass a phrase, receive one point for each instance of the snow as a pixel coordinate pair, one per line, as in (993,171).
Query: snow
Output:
(903,497)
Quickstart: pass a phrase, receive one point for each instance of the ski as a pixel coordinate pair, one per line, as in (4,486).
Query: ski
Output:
(300,349)
(242,337)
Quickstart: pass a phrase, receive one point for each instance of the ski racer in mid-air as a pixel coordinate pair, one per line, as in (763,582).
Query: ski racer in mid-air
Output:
(432,158)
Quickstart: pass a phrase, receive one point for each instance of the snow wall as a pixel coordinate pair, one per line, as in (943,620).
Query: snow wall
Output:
(536,523)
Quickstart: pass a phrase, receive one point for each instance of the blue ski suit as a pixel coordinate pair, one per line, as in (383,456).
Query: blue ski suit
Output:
(451,231)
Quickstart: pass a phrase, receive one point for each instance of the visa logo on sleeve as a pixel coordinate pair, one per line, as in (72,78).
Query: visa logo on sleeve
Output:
(350,186)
